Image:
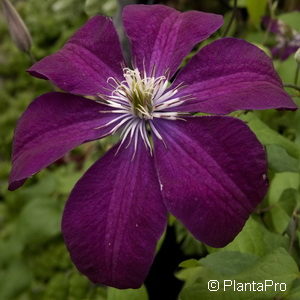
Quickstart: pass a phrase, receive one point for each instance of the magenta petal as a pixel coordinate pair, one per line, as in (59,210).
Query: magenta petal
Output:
(213,174)
(86,61)
(52,125)
(114,217)
(229,75)
(161,36)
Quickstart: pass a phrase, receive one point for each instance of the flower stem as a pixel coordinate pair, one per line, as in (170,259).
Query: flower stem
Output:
(272,9)
(31,57)
(225,32)
(295,224)
(297,74)
(297,88)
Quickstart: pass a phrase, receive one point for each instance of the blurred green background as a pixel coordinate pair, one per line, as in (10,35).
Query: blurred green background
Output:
(34,263)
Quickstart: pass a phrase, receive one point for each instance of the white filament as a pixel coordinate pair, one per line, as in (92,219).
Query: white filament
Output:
(139,99)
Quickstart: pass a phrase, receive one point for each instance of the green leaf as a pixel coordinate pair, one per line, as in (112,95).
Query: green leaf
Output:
(280,183)
(280,213)
(280,161)
(256,10)
(189,263)
(57,288)
(129,294)
(289,201)
(229,262)
(10,249)
(255,239)
(286,69)
(14,279)
(277,266)
(268,136)
(44,187)
(294,294)
(39,221)
(292,19)
(66,178)
(78,286)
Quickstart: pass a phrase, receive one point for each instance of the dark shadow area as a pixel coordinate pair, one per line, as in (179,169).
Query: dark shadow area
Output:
(161,282)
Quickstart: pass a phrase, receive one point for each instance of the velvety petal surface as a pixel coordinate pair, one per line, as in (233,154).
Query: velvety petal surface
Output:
(52,125)
(86,61)
(162,36)
(229,75)
(213,174)
(114,217)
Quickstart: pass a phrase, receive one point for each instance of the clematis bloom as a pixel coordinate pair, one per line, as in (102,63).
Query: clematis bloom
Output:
(208,171)
(288,39)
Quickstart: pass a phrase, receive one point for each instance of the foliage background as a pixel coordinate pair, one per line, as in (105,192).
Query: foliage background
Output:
(34,263)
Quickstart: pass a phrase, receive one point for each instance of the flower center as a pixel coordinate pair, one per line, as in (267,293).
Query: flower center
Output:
(143,92)
(137,101)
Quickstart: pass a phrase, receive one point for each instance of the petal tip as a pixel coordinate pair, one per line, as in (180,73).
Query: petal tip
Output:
(34,73)
(15,184)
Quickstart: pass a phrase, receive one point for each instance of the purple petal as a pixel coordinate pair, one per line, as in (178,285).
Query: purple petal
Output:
(52,125)
(213,174)
(229,75)
(161,36)
(86,61)
(283,52)
(273,25)
(114,217)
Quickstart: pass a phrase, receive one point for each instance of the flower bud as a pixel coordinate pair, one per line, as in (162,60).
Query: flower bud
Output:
(17,28)
(297,56)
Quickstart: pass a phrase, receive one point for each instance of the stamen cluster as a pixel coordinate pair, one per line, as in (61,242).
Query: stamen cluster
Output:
(139,99)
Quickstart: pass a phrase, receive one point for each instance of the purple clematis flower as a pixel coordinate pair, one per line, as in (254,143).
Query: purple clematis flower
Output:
(209,171)
(288,39)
